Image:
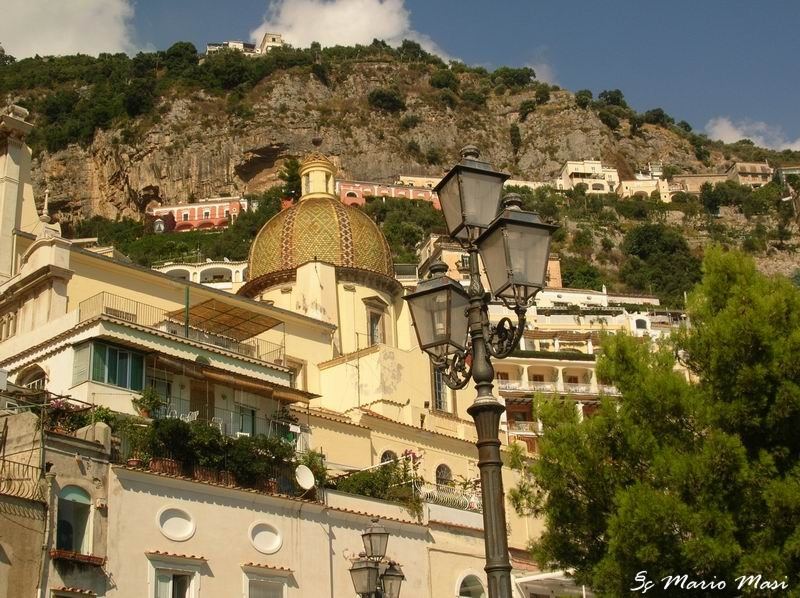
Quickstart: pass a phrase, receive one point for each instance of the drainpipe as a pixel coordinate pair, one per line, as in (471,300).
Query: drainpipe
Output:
(48,513)
(186,311)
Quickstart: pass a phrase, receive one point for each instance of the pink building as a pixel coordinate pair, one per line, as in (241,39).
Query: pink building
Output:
(206,214)
(355,193)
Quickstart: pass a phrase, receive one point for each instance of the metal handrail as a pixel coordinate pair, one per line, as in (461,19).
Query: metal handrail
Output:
(451,496)
(21,480)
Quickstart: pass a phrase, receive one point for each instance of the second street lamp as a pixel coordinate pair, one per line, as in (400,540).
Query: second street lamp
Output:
(515,247)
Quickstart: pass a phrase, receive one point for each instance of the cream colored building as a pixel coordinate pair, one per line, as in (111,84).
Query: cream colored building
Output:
(597,177)
(644,189)
(751,174)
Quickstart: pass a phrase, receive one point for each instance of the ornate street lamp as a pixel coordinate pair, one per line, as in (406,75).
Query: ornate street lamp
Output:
(372,577)
(514,246)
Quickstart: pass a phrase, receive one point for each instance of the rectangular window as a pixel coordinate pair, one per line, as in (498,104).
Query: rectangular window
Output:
(173,584)
(375,328)
(247,419)
(206,214)
(118,367)
(257,586)
(185,216)
(439,391)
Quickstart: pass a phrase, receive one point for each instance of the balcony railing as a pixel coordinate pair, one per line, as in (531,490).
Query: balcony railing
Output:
(608,389)
(529,386)
(577,389)
(234,423)
(525,427)
(141,314)
(406,271)
(451,496)
(20,480)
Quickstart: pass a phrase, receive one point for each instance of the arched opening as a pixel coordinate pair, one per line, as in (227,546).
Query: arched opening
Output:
(216,275)
(180,274)
(471,587)
(444,476)
(641,324)
(351,194)
(33,377)
(388,456)
(73,529)
(598,186)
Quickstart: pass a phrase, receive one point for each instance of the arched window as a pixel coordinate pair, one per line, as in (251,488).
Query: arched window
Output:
(73,530)
(444,477)
(388,456)
(33,378)
(641,324)
(351,194)
(598,186)
(471,587)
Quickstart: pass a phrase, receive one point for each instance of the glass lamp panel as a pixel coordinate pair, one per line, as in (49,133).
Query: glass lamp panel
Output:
(375,540)
(528,250)
(450,200)
(459,324)
(364,574)
(493,254)
(481,196)
(429,313)
(392,581)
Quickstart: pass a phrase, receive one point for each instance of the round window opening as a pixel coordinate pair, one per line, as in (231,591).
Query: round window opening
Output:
(265,538)
(176,524)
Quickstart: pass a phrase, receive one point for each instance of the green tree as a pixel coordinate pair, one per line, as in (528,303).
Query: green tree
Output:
(657,116)
(290,175)
(583,98)
(608,119)
(514,78)
(444,79)
(679,478)
(516,138)
(542,93)
(180,57)
(612,97)
(525,108)
(389,99)
(658,260)
(578,273)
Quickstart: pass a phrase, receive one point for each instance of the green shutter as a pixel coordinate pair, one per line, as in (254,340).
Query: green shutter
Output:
(137,371)
(80,363)
(99,354)
(112,365)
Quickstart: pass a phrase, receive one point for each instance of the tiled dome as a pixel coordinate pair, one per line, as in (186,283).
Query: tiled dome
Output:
(318,228)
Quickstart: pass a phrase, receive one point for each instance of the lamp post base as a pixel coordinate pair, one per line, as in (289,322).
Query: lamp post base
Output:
(486,414)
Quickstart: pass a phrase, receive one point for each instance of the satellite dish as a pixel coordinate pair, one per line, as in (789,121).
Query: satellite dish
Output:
(304,477)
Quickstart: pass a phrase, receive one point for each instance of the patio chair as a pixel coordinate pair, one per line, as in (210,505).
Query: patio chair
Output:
(189,417)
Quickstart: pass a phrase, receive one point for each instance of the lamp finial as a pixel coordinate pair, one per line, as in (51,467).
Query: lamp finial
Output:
(470,152)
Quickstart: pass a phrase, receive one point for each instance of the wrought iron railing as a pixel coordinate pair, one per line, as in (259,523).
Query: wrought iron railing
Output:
(141,314)
(451,496)
(21,480)
(525,427)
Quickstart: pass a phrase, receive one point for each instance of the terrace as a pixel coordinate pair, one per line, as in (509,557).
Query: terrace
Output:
(215,324)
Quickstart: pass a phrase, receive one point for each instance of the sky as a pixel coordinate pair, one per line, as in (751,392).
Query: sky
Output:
(728,67)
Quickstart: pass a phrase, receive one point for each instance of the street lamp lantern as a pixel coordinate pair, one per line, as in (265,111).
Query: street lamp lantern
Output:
(375,540)
(514,247)
(364,573)
(470,195)
(372,576)
(438,309)
(514,250)
(392,580)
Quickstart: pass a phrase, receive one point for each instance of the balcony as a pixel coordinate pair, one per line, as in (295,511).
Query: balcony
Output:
(577,389)
(524,427)
(235,423)
(224,326)
(451,496)
(546,387)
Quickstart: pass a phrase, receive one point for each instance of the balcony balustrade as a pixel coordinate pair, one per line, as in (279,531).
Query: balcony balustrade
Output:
(20,480)
(164,321)
(525,427)
(451,496)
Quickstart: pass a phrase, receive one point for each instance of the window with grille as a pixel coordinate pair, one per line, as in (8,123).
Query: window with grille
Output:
(444,476)
(439,392)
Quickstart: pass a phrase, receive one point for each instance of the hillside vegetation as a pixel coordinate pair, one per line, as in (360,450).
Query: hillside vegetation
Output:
(114,133)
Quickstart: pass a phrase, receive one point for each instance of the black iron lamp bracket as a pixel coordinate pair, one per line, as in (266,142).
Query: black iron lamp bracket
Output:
(455,368)
(502,338)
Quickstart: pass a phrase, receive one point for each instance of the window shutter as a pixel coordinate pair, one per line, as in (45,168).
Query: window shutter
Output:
(80,363)
(99,362)
(137,371)
(260,588)
(163,585)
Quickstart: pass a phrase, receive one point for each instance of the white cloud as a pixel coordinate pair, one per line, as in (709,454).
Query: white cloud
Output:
(341,22)
(760,133)
(47,27)
(545,72)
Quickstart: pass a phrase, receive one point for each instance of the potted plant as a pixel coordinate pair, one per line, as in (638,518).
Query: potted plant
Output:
(207,448)
(171,446)
(138,438)
(148,402)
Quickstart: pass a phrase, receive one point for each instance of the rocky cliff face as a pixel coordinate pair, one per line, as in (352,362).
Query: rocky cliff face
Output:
(198,147)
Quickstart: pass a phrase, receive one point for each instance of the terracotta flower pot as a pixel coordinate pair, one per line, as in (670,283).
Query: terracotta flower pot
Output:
(134,462)
(165,465)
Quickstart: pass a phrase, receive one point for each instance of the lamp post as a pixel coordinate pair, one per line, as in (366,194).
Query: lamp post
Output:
(372,577)
(453,325)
